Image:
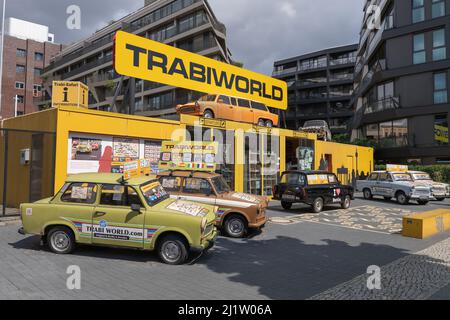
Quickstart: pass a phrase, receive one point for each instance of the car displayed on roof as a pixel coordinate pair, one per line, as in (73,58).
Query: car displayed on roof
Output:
(105,209)
(315,188)
(237,212)
(319,127)
(440,191)
(230,108)
(394,184)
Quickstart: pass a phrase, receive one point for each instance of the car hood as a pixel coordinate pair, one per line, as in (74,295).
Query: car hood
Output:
(429,183)
(187,208)
(245,197)
(412,184)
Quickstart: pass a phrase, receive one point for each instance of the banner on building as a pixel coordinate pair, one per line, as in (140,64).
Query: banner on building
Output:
(441,134)
(150,60)
(199,156)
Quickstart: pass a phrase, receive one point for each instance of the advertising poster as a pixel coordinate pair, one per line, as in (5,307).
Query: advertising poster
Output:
(86,149)
(125,149)
(189,155)
(152,153)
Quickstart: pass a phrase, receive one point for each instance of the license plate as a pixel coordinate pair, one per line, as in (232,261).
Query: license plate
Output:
(337,200)
(288,197)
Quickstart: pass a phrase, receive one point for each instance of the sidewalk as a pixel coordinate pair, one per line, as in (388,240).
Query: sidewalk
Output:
(12,217)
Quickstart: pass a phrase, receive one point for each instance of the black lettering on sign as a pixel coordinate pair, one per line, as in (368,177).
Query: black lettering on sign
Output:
(197,72)
(156,59)
(137,51)
(178,67)
(223,79)
(246,84)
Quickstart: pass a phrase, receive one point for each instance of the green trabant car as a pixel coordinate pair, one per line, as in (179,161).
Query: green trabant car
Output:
(105,209)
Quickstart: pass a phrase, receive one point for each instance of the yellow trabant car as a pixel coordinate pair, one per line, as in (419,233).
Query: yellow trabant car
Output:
(105,209)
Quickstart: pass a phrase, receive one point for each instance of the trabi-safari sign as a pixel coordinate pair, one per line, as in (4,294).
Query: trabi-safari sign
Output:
(150,60)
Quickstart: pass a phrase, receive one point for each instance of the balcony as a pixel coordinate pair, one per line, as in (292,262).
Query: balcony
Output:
(382,105)
(341,61)
(313,65)
(393,142)
(312,81)
(284,71)
(88,66)
(341,77)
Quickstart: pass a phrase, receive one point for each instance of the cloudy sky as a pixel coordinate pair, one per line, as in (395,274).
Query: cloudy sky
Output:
(259,31)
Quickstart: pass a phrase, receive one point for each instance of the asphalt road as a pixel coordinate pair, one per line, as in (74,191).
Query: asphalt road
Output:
(297,256)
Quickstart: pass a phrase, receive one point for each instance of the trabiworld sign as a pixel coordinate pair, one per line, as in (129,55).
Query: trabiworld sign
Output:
(146,59)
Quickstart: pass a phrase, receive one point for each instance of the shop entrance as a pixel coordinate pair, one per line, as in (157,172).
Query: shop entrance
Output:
(27,166)
(300,154)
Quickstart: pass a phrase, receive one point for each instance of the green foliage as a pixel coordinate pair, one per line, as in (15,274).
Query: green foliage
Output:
(341,138)
(440,173)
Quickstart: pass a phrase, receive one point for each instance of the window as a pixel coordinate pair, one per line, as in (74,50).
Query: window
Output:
(234,101)
(38,56)
(440,88)
(389,20)
(20,85)
(244,103)
(259,106)
(119,195)
(419,49)
(384,176)
(373,177)
(418,11)
(20,68)
(37,71)
(20,99)
(438,8)
(21,53)
(171,184)
(80,193)
(195,185)
(439,49)
(224,100)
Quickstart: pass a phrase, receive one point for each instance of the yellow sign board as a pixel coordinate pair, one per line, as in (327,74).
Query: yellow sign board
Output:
(150,60)
(317,179)
(69,94)
(396,167)
(441,133)
(189,155)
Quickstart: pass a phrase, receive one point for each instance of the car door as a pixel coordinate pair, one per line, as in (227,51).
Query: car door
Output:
(225,110)
(198,190)
(76,205)
(245,112)
(114,222)
(385,184)
(374,184)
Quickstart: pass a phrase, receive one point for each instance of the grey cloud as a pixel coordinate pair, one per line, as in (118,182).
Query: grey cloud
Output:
(259,31)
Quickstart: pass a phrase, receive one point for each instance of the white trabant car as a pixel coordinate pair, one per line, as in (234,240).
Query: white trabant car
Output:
(440,191)
(398,185)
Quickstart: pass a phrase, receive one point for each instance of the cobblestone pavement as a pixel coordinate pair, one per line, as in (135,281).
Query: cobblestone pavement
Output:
(294,261)
(370,218)
(414,277)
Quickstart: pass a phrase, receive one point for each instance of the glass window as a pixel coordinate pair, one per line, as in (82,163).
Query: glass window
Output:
(373,177)
(38,56)
(384,176)
(294,179)
(154,193)
(20,99)
(21,53)
(439,49)
(259,106)
(37,71)
(220,185)
(20,85)
(441,129)
(244,103)
(171,184)
(438,8)
(80,193)
(224,100)
(20,69)
(119,195)
(196,185)
(440,88)
(419,49)
(209,98)
(234,101)
(418,11)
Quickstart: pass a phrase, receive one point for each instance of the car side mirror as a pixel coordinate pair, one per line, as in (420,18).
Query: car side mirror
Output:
(136,207)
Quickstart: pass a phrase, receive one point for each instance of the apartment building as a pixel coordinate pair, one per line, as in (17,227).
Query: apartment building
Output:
(401,80)
(187,24)
(320,87)
(28,48)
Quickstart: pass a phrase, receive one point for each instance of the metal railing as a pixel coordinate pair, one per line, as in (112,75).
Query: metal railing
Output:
(382,105)
(284,71)
(340,61)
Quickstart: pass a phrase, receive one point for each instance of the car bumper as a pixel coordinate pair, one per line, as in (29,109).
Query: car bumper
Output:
(422,197)
(259,223)
(21,231)
(441,196)
(207,243)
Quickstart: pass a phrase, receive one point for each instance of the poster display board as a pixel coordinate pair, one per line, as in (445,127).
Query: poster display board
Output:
(396,167)
(69,94)
(189,155)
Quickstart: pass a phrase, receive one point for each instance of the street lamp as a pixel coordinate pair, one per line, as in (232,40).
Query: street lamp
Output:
(16,100)
(1,54)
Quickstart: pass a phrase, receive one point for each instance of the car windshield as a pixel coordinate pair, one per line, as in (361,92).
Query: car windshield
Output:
(421,176)
(153,192)
(259,106)
(402,177)
(208,98)
(221,185)
(293,179)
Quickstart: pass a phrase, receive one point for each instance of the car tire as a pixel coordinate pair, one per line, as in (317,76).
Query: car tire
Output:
(269,124)
(286,205)
(346,203)
(423,202)
(173,250)
(61,240)
(402,198)
(208,114)
(261,123)
(317,205)
(235,226)
(387,198)
(440,199)
(367,194)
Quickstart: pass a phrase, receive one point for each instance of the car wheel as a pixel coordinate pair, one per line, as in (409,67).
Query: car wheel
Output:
(440,199)
(402,198)
(173,250)
(261,123)
(286,205)
(387,198)
(317,205)
(346,203)
(422,202)
(367,194)
(61,240)
(208,114)
(235,226)
(269,124)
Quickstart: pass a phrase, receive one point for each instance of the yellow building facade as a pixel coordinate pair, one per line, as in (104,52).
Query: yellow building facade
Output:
(70,140)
